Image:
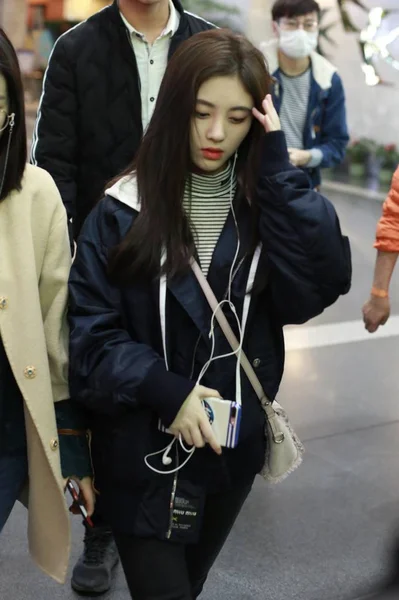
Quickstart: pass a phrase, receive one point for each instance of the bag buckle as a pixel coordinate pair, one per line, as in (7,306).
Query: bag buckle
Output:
(278,437)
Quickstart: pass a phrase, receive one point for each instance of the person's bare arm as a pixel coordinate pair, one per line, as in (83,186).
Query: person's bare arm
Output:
(377,309)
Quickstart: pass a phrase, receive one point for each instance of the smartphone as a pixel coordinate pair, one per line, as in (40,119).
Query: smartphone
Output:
(77,502)
(225,419)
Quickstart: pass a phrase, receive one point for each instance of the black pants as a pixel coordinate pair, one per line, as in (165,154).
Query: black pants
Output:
(98,517)
(162,570)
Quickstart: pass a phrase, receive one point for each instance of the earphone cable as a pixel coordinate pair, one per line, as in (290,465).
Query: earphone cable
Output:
(11,124)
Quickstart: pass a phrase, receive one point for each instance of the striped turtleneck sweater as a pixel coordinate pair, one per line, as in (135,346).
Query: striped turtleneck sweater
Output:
(207,205)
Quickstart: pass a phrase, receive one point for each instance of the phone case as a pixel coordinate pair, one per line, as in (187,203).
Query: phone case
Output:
(225,419)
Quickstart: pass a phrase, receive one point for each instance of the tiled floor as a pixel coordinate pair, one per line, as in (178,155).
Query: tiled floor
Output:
(323,534)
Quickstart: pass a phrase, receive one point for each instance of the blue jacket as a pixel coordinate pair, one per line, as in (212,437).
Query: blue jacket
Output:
(326,126)
(117,362)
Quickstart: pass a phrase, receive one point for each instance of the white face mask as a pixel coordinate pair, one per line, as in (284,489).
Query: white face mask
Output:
(298,43)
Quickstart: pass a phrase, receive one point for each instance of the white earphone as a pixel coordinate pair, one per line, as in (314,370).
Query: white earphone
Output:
(166,459)
(10,121)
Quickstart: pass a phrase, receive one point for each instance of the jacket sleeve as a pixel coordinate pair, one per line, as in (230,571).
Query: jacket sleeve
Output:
(53,291)
(334,129)
(54,145)
(110,369)
(387,238)
(73,436)
(309,258)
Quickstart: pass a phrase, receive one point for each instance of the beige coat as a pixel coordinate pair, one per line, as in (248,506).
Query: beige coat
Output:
(34,269)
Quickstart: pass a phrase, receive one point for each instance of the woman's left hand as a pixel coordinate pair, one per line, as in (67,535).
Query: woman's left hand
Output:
(270,120)
(86,491)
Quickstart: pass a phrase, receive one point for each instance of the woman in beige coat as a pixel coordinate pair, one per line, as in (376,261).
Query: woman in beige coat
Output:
(42,435)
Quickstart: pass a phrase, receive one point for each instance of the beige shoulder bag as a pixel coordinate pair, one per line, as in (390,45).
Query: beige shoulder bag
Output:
(284,449)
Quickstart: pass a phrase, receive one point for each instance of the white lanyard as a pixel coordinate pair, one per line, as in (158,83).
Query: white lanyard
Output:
(163,284)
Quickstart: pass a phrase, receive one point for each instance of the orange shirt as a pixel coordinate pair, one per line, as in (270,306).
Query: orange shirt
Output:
(387,238)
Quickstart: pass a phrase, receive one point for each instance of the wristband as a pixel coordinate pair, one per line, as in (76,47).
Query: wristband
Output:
(379,293)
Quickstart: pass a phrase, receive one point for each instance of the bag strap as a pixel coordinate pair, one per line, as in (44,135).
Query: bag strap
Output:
(228,332)
(278,435)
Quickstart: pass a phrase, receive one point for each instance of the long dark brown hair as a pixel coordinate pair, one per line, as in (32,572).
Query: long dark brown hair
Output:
(163,161)
(17,155)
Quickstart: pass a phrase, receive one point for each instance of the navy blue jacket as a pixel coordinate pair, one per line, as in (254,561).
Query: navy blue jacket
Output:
(325,127)
(117,365)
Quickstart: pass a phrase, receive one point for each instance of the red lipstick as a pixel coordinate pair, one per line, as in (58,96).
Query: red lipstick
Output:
(212,153)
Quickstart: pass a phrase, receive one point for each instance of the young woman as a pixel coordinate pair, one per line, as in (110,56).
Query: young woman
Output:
(35,264)
(212,180)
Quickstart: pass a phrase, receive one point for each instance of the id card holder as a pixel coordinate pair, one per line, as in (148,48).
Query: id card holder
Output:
(170,509)
(187,508)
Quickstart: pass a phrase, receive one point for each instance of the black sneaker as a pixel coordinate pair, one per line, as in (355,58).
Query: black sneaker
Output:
(93,571)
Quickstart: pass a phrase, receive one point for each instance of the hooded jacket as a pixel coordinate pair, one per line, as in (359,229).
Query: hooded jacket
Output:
(118,369)
(325,126)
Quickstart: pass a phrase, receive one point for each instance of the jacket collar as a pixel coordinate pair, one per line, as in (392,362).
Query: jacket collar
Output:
(186,288)
(322,70)
(171,27)
(125,190)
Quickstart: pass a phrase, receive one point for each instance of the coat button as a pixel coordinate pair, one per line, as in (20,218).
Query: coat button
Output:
(30,372)
(54,445)
(256,363)
(3,302)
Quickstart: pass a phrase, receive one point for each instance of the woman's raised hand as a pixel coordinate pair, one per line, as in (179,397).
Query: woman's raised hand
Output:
(192,422)
(270,119)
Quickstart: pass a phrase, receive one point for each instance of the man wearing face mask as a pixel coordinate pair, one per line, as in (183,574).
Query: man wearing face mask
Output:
(308,92)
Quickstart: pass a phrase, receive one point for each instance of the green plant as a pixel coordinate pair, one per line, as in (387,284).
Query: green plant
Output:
(359,150)
(388,156)
(219,13)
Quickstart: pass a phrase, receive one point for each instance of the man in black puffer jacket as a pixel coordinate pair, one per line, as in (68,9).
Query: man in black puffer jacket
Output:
(99,93)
